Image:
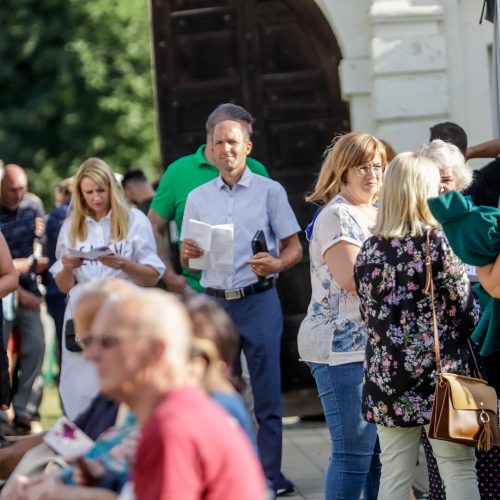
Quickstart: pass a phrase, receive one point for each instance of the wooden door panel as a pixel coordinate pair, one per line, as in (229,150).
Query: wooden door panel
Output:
(284,48)
(206,57)
(189,104)
(291,143)
(190,5)
(274,10)
(277,58)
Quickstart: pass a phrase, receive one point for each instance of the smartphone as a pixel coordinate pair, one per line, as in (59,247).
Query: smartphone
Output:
(259,242)
(259,245)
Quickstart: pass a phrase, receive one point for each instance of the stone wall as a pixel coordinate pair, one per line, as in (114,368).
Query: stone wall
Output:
(408,64)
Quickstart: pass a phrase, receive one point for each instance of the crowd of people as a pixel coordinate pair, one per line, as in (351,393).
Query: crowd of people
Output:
(156,377)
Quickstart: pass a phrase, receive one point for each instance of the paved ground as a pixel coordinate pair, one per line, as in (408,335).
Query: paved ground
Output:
(306,448)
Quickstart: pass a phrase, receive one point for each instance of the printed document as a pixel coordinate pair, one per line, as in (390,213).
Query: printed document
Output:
(93,254)
(216,242)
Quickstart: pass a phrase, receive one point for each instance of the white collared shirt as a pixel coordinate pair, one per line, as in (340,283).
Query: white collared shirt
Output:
(254,203)
(138,247)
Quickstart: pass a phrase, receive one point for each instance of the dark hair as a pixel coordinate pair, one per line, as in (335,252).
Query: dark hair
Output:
(134,175)
(229,111)
(450,132)
(216,326)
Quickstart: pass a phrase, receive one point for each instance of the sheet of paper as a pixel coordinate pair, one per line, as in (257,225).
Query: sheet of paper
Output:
(202,234)
(221,254)
(93,254)
(67,439)
(217,243)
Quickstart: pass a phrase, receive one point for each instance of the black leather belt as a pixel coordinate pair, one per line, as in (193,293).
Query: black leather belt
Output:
(239,293)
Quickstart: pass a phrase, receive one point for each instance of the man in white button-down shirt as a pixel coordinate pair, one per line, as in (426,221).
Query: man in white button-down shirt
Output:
(251,203)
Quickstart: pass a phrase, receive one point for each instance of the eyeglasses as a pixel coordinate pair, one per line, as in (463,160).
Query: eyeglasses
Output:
(104,341)
(375,169)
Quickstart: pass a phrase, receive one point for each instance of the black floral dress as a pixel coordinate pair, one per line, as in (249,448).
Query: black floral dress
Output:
(400,365)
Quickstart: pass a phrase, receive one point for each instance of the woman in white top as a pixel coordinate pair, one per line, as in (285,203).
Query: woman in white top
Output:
(332,337)
(98,217)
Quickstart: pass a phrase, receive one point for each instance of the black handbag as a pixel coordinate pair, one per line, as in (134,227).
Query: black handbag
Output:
(71,338)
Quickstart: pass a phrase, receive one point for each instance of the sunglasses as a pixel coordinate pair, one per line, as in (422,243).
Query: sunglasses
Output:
(104,341)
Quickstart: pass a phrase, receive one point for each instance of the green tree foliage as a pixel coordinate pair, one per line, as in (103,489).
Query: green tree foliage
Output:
(75,82)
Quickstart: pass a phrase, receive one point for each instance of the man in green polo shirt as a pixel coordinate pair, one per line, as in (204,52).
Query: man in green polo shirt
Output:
(180,178)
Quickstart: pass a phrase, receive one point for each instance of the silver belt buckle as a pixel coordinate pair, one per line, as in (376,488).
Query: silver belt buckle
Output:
(233,294)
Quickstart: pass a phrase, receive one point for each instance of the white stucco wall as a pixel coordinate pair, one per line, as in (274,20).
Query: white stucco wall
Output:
(408,64)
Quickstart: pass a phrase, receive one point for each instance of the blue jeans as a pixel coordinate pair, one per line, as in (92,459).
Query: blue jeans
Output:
(354,464)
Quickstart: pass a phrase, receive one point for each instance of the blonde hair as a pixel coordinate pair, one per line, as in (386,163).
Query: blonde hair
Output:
(447,155)
(345,151)
(409,180)
(100,172)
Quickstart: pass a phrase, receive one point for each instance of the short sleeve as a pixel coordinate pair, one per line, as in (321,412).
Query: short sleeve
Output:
(281,216)
(190,212)
(143,241)
(491,173)
(164,200)
(335,223)
(484,188)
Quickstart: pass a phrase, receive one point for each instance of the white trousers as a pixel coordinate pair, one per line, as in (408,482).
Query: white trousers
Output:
(399,454)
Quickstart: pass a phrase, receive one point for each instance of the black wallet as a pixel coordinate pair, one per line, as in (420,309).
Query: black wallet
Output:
(258,242)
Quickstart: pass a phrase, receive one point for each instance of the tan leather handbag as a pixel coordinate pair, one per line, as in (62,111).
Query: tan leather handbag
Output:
(465,409)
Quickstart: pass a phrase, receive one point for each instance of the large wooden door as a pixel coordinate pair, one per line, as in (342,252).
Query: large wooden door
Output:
(277,58)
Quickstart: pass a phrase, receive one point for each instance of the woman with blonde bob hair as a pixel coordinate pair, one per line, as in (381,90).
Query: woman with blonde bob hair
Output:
(332,337)
(99,218)
(400,365)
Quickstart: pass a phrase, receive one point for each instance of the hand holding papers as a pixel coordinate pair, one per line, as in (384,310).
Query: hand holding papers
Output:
(93,254)
(216,243)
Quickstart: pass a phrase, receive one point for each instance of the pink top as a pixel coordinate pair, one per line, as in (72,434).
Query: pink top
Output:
(191,449)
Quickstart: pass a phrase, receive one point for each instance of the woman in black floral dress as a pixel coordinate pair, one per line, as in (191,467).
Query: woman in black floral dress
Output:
(400,366)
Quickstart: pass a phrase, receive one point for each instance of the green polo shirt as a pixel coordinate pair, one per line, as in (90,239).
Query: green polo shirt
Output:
(180,178)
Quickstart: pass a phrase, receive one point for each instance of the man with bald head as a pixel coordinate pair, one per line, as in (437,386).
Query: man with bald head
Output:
(22,227)
(189,447)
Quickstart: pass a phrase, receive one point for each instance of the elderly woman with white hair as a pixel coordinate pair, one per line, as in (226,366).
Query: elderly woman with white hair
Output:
(452,168)
(455,176)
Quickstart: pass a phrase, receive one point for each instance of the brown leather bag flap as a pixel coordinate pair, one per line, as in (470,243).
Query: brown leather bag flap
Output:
(469,393)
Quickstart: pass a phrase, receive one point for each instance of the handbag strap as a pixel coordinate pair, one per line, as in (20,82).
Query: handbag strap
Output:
(429,287)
